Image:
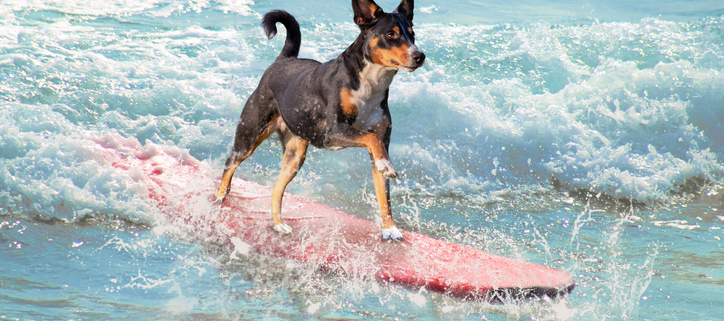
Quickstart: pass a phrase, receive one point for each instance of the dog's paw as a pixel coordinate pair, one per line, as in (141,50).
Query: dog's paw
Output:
(219,195)
(385,167)
(282,228)
(391,234)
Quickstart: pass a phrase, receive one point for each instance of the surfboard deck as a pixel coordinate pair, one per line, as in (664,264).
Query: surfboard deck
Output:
(339,242)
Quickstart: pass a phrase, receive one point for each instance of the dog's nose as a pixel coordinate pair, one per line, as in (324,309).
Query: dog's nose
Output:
(418,57)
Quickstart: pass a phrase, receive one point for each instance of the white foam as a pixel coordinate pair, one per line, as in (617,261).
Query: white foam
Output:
(625,126)
(622,108)
(418,298)
(313,307)
(126,7)
(628,108)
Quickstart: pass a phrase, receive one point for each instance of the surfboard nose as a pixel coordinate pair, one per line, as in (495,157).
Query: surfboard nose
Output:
(462,271)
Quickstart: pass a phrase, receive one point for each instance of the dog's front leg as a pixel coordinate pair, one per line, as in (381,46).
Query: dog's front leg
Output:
(383,131)
(378,154)
(382,192)
(377,143)
(344,135)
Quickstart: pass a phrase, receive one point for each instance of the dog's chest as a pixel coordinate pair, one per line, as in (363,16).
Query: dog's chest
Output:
(369,108)
(372,91)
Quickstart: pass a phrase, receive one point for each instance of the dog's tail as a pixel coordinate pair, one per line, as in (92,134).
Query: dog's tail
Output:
(294,35)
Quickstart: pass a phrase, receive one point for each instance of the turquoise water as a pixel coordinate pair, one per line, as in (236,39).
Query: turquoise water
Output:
(586,136)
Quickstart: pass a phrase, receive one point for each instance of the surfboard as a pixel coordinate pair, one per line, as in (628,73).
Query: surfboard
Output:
(338,242)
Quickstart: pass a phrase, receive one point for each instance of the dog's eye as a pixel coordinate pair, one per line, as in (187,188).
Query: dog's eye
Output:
(391,35)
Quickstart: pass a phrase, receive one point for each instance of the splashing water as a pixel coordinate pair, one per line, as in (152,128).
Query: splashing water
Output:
(582,136)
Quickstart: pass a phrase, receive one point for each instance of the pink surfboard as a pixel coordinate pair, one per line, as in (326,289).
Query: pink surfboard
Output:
(339,242)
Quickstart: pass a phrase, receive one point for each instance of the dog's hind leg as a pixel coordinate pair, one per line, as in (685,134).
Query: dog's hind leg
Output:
(257,122)
(295,151)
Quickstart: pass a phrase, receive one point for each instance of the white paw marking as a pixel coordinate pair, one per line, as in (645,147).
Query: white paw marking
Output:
(391,234)
(283,228)
(385,167)
(220,195)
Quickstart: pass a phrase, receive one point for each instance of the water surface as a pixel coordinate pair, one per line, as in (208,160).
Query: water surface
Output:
(585,136)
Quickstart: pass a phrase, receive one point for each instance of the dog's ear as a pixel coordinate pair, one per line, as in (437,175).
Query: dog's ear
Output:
(405,8)
(365,11)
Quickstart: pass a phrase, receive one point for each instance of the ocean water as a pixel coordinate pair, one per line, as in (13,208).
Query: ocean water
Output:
(586,136)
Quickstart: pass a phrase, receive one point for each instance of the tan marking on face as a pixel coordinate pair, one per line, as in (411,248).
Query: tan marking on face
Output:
(374,42)
(349,108)
(391,57)
(396,29)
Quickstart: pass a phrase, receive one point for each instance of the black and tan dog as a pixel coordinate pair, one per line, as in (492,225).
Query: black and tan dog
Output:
(337,104)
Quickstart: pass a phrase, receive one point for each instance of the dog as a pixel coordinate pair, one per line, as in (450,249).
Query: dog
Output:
(333,105)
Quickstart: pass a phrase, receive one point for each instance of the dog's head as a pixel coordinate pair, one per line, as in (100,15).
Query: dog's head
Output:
(389,38)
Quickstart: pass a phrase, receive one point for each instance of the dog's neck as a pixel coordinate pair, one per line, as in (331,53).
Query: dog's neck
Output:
(375,77)
(360,66)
